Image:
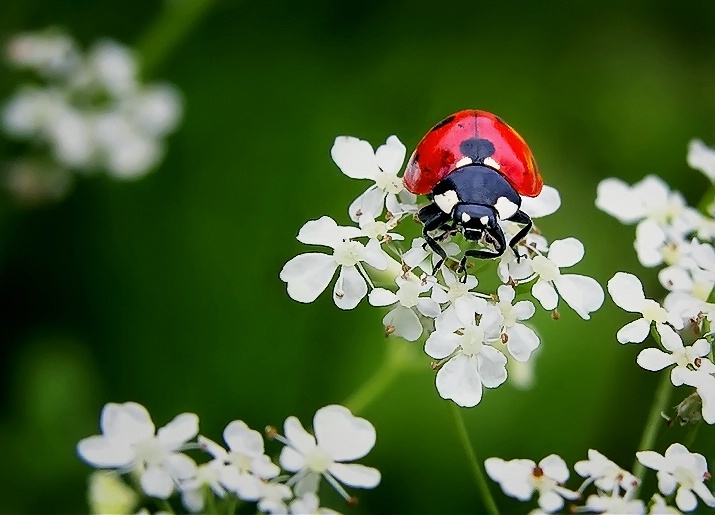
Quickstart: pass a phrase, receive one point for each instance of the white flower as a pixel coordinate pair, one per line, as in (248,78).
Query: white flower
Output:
(615,505)
(422,256)
(582,293)
(107,493)
(701,157)
(521,478)
(704,382)
(272,498)
(660,507)
(309,504)
(128,442)
(458,295)
(340,437)
(193,490)
(402,320)
(114,66)
(49,52)
(679,468)
(357,160)
(684,358)
(627,292)
(308,275)
(605,474)
(656,245)
(470,359)
(545,203)
(521,340)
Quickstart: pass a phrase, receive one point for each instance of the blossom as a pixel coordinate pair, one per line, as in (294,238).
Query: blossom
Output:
(128,442)
(107,493)
(193,489)
(469,359)
(704,382)
(660,507)
(521,340)
(582,293)
(272,497)
(357,160)
(605,474)
(458,295)
(308,275)
(521,478)
(340,437)
(402,320)
(701,157)
(679,468)
(309,503)
(422,256)
(615,505)
(627,292)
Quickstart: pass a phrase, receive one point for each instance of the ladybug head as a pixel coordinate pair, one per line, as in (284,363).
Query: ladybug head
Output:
(475,219)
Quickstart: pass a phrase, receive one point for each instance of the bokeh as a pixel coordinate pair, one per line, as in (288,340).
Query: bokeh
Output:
(165,290)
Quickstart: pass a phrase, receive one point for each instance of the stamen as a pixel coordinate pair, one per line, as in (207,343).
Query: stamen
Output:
(338,487)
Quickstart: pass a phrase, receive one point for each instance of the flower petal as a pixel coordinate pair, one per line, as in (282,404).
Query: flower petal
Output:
(176,433)
(156,482)
(685,499)
(441,344)
(521,342)
(354,157)
(583,294)
(242,439)
(459,380)
(325,231)
(128,422)
(308,275)
(654,359)
(290,459)
(381,297)
(652,460)
(566,252)
(634,332)
(546,203)
(343,435)
(101,452)
(391,155)
(618,199)
(358,476)
(701,157)
(626,291)
(350,288)
(491,367)
(300,439)
(545,293)
(404,322)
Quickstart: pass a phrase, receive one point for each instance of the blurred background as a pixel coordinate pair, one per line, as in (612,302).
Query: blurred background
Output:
(165,290)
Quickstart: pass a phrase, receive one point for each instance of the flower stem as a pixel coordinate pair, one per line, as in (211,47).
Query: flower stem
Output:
(653,425)
(165,506)
(398,356)
(479,477)
(177,20)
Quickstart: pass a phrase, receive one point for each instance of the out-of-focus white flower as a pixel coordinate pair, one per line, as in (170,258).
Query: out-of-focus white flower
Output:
(521,478)
(107,493)
(701,157)
(193,490)
(605,474)
(660,507)
(679,468)
(309,504)
(340,437)
(50,52)
(128,442)
(627,292)
(614,504)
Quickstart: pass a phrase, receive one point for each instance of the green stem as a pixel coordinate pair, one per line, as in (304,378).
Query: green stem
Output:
(165,506)
(397,357)
(653,424)
(177,20)
(480,478)
(692,433)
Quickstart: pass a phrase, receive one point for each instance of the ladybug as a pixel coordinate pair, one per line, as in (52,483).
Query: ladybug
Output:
(473,167)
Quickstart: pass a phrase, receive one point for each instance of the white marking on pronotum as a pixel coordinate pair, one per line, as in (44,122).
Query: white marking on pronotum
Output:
(446,201)
(466,160)
(491,163)
(484,220)
(505,207)
(466,217)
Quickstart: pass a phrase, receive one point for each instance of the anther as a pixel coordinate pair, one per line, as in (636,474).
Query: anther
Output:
(555,315)
(271,432)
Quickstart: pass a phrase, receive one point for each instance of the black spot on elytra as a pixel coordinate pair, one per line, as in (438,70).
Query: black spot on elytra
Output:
(442,123)
(476,149)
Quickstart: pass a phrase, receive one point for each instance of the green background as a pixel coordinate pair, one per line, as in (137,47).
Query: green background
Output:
(165,291)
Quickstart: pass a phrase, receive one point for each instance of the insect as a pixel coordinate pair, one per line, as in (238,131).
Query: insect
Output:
(474,168)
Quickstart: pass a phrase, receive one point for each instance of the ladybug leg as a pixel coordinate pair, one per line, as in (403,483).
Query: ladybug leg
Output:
(521,218)
(433,218)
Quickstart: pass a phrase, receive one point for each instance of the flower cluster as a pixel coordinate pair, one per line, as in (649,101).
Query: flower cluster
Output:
(679,471)
(83,113)
(239,472)
(679,240)
(472,332)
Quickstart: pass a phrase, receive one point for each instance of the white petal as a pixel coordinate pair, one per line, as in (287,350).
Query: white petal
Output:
(669,338)
(685,499)
(391,155)
(705,494)
(343,435)
(264,468)
(179,431)
(634,332)
(180,467)
(650,238)
(522,342)
(300,439)
(381,297)
(702,158)
(350,288)
(290,460)
(368,203)
(626,291)
(555,467)
(545,293)
(429,308)
(156,482)
(582,293)
(701,347)
(566,252)
(309,484)
(616,198)
(242,439)
(546,203)
(654,359)
(441,344)
(550,501)
(358,476)
(375,256)
(459,380)
(492,367)
(506,293)
(652,460)
(102,452)
(308,275)
(128,422)
(524,309)
(354,157)
(405,322)
(666,482)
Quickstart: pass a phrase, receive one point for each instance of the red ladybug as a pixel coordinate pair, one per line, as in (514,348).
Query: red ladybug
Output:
(474,168)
